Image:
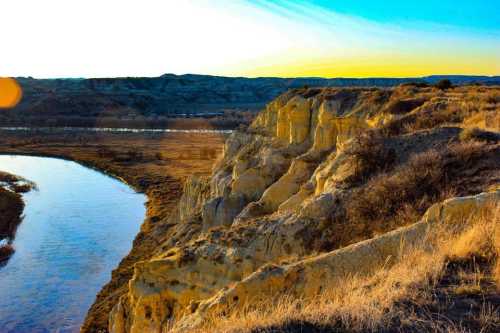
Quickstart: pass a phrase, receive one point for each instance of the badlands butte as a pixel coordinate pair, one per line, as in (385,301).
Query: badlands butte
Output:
(337,209)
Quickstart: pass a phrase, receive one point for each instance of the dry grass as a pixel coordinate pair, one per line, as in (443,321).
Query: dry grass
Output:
(399,298)
(395,198)
(461,106)
(417,183)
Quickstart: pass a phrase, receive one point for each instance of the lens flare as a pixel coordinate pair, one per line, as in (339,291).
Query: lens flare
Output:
(10,93)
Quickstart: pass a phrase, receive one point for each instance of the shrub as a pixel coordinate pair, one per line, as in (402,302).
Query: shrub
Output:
(492,97)
(416,183)
(429,116)
(418,84)
(443,84)
(387,200)
(370,156)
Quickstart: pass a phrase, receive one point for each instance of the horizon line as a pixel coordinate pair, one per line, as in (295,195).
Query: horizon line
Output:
(254,77)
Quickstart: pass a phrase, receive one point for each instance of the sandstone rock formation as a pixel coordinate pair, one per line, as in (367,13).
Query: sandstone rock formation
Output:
(274,216)
(309,277)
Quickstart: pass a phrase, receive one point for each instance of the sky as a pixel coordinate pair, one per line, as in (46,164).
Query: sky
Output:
(322,38)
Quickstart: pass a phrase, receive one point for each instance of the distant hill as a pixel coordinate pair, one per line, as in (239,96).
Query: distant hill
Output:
(172,95)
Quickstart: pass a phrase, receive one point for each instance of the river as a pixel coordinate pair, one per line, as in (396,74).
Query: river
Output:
(77,226)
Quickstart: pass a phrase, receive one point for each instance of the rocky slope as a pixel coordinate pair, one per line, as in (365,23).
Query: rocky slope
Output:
(315,190)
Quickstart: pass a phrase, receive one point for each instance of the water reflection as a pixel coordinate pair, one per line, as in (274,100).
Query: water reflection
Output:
(77,227)
(111,130)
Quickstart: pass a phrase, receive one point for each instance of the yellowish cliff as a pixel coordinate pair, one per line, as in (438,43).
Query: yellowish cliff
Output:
(325,183)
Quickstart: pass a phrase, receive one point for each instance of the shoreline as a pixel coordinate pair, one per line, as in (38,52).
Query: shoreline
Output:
(163,189)
(86,164)
(11,211)
(125,267)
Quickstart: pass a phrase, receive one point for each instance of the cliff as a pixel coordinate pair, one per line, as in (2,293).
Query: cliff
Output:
(324,184)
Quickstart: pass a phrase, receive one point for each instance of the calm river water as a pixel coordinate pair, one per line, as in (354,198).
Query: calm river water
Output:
(77,227)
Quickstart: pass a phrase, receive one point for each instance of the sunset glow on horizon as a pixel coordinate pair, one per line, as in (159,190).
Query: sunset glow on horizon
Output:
(56,38)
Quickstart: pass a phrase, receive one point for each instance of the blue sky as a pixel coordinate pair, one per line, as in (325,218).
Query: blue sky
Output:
(474,14)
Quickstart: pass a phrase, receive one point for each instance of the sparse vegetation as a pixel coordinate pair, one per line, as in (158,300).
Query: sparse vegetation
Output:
(370,156)
(462,106)
(426,291)
(400,196)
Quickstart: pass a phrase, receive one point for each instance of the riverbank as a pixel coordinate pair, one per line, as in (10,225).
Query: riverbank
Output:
(11,210)
(154,163)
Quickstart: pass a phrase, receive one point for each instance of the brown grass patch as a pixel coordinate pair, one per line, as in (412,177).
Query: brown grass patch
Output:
(383,196)
(411,296)
(389,200)
(461,106)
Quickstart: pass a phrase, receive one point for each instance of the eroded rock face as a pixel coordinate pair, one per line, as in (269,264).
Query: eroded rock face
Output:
(309,277)
(196,192)
(270,199)
(221,211)
(289,184)
(333,129)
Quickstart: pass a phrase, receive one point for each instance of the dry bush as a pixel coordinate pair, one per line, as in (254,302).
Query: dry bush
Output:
(492,97)
(489,120)
(431,117)
(370,156)
(470,107)
(392,199)
(411,189)
(444,84)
